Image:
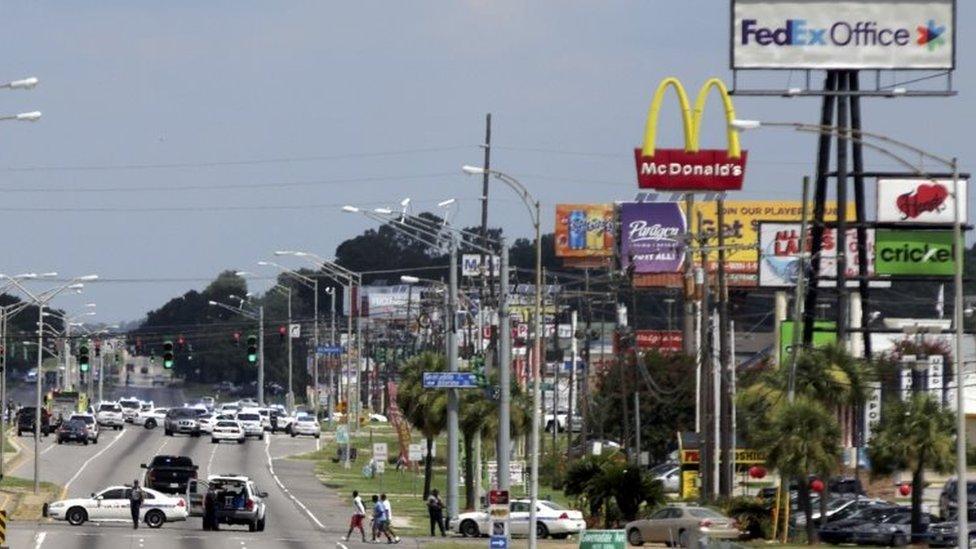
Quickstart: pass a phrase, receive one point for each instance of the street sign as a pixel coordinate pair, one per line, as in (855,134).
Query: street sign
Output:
(603,539)
(415,453)
(380,451)
(498,542)
(295,331)
(324,350)
(450,380)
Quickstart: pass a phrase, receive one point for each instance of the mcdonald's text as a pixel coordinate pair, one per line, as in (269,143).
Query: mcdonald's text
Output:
(702,170)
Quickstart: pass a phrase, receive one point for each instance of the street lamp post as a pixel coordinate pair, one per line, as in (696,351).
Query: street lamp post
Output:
(533,206)
(256,313)
(953,164)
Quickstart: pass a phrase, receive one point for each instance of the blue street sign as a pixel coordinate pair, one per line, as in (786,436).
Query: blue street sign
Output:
(498,542)
(450,380)
(329,350)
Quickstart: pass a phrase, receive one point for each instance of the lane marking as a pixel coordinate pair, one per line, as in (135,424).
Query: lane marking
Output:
(89,460)
(161,446)
(39,539)
(210,461)
(267,452)
(341,546)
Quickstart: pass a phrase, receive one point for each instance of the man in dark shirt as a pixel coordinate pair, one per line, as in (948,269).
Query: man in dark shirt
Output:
(136,496)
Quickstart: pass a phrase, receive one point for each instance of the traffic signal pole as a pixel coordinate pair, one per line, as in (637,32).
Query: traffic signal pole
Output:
(261,355)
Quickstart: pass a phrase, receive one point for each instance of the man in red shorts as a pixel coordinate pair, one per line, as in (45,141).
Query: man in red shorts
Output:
(358,514)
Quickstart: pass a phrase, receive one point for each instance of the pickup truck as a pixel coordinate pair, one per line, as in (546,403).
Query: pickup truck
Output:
(169,474)
(560,422)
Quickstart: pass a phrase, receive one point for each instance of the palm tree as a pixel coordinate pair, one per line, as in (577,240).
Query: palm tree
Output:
(801,438)
(425,409)
(913,434)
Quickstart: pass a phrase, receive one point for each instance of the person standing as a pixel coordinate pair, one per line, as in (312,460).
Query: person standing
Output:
(210,509)
(136,497)
(435,508)
(358,514)
(389,517)
(379,520)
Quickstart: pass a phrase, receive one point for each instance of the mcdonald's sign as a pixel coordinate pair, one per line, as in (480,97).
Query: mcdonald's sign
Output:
(691,168)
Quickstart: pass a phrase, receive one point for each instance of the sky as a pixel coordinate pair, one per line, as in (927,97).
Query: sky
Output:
(183,138)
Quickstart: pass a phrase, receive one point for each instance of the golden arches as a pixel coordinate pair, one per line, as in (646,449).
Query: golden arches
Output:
(691,120)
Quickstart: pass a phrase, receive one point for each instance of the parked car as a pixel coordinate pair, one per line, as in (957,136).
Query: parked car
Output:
(944,534)
(677,524)
(893,531)
(169,474)
(239,501)
(669,474)
(842,531)
(948,500)
(26,417)
(112,504)
(90,423)
(552,520)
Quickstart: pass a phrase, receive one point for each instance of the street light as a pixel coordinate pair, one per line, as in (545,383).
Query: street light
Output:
(533,207)
(860,136)
(22,84)
(32,116)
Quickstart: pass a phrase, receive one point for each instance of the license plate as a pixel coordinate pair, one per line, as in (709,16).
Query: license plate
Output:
(174,485)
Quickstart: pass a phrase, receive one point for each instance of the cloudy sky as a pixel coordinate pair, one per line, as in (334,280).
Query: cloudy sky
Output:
(181,138)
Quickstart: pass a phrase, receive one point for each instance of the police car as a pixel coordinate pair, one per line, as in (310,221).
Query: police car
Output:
(250,421)
(551,519)
(112,505)
(227,429)
(306,425)
(109,414)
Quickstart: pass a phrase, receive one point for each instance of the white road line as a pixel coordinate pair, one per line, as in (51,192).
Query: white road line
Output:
(267,452)
(89,460)
(210,461)
(341,546)
(161,446)
(49,448)
(39,539)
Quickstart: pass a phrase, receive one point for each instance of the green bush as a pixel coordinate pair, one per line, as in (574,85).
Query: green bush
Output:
(752,514)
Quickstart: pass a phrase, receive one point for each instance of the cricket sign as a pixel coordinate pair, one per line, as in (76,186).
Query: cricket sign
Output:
(919,201)
(914,252)
(691,168)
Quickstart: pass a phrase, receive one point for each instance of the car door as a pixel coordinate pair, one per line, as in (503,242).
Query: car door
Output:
(654,529)
(108,505)
(518,518)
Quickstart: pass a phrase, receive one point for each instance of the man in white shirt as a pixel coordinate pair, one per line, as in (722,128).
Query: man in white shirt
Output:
(389,517)
(358,514)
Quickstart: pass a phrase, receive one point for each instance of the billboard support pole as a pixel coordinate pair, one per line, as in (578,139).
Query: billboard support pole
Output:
(820,198)
(859,207)
(706,428)
(726,471)
(843,303)
(689,325)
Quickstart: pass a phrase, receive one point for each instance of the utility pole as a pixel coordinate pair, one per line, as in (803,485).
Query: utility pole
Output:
(452,396)
(586,358)
(799,298)
(261,355)
(101,368)
(291,386)
(637,426)
(574,358)
(727,470)
(706,431)
(688,333)
(504,372)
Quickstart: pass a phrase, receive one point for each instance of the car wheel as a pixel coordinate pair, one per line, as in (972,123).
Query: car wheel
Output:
(683,538)
(549,427)
(541,531)
(168,433)
(59,440)
(240,441)
(86,442)
(293,435)
(76,516)
(317,435)
(150,424)
(469,529)
(634,537)
(899,540)
(213,440)
(260,437)
(261,525)
(252,526)
(95,440)
(155,518)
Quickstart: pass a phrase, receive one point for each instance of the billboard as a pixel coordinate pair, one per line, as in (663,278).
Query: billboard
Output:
(824,333)
(691,168)
(914,252)
(585,230)
(651,236)
(471,265)
(843,34)
(664,341)
(779,249)
(919,201)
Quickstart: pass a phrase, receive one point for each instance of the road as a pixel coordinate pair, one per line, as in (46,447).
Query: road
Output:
(301,513)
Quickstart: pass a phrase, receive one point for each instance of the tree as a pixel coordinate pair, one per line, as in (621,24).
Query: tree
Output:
(425,409)
(601,479)
(914,434)
(801,438)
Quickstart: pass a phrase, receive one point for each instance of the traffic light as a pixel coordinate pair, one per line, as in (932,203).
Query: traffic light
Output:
(237,339)
(83,360)
(282,333)
(168,354)
(252,349)
(181,341)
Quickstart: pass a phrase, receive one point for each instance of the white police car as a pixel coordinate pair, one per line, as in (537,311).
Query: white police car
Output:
(112,504)
(551,519)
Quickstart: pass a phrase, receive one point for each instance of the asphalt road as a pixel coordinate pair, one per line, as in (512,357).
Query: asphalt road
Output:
(301,513)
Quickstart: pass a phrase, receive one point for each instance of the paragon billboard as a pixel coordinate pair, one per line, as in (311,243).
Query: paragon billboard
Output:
(652,237)
(851,34)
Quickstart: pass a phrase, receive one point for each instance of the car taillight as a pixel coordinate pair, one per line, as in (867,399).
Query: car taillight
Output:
(193,474)
(181,503)
(705,523)
(249,504)
(564,516)
(734,524)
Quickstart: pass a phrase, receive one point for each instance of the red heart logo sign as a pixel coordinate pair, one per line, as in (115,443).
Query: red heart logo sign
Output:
(925,198)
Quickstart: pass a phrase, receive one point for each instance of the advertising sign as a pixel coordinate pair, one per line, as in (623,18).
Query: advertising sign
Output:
(779,249)
(824,333)
(691,168)
(585,230)
(914,252)
(651,236)
(415,453)
(843,34)
(919,201)
(471,265)
(872,408)
(663,341)
(516,473)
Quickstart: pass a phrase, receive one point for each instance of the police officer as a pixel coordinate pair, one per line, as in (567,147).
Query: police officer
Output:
(136,496)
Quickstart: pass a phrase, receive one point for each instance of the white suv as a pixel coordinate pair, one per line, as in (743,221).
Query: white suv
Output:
(130,408)
(250,421)
(109,414)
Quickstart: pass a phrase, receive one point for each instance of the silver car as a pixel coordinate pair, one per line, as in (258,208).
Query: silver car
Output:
(680,525)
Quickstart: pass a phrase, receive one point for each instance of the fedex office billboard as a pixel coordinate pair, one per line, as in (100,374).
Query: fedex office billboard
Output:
(845,34)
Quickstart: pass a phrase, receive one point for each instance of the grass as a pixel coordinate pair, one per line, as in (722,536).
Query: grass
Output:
(19,499)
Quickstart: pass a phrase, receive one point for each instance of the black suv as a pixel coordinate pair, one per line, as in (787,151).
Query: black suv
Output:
(75,430)
(169,474)
(182,420)
(25,421)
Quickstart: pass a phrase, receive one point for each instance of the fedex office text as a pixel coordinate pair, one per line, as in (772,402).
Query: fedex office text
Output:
(796,32)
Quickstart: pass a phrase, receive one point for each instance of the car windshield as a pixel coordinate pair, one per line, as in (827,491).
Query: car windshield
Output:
(76,424)
(248,417)
(146,407)
(182,413)
(129,403)
(86,419)
(172,461)
(109,408)
(661,469)
(701,512)
(226,424)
